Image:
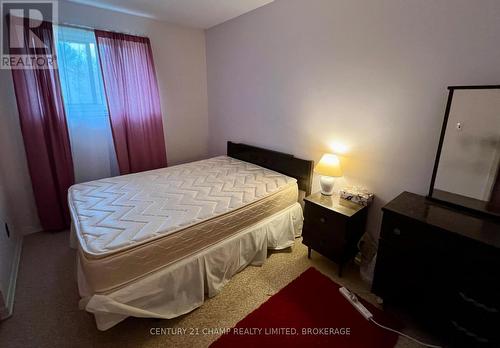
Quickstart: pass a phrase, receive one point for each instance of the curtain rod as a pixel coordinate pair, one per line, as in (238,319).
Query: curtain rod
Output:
(86,27)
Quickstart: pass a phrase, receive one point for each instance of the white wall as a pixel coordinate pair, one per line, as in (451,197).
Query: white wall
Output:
(179,55)
(15,182)
(299,75)
(9,257)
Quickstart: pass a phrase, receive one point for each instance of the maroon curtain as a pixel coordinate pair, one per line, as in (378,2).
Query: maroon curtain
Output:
(133,101)
(43,125)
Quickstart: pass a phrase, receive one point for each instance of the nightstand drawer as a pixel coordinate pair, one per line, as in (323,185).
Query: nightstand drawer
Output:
(323,217)
(323,234)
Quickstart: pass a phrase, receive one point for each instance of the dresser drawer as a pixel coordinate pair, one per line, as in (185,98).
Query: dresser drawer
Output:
(410,233)
(480,286)
(404,270)
(398,229)
(473,321)
(464,337)
(475,315)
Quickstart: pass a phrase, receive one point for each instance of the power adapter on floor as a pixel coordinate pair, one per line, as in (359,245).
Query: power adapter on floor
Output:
(353,300)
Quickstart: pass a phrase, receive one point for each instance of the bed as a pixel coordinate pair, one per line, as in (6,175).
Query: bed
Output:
(155,243)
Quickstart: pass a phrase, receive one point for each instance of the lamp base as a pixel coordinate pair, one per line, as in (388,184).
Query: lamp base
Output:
(327,183)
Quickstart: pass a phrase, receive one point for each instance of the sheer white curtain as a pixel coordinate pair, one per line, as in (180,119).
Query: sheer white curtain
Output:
(87,115)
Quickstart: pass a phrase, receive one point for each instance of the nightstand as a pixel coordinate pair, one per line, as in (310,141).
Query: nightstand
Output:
(333,227)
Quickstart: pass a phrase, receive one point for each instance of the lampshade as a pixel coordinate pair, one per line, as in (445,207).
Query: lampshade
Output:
(329,165)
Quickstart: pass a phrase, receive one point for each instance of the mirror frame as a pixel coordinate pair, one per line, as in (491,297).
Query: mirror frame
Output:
(451,90)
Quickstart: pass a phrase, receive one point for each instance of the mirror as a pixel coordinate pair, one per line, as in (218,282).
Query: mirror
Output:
(467,168)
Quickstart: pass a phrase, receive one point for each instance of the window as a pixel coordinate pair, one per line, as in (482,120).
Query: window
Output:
(85,104)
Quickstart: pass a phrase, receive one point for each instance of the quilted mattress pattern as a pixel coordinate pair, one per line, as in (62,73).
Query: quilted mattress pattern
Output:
(106,274)
(116,214)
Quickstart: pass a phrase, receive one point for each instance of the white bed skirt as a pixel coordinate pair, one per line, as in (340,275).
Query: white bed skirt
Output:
(181,287)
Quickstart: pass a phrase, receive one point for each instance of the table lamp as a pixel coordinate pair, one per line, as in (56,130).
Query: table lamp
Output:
(329,168)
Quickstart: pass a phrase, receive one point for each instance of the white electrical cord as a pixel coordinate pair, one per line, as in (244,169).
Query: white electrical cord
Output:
(353,299)
(402,334)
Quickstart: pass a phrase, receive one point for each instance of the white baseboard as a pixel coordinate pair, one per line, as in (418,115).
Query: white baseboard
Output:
(11,291)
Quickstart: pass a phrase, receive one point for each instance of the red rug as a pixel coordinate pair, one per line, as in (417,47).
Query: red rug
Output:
(310,311)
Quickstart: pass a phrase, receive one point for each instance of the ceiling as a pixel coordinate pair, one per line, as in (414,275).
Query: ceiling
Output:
(201,14)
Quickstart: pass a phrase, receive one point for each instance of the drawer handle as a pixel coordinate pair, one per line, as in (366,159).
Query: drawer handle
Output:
(322,220)
(477,303)
(396,231)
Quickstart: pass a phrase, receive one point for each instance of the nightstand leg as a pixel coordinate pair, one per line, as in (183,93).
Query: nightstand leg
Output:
(308,252)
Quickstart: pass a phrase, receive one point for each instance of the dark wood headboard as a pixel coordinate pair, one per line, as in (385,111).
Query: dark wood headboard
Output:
(297,168)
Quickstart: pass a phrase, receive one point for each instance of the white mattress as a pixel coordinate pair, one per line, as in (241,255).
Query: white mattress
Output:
(180,287)
(115,214)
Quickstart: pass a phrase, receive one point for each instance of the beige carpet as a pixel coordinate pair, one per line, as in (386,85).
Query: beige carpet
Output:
(46,310)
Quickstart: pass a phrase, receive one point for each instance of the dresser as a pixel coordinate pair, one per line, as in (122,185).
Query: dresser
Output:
(442,264)
(333,227)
